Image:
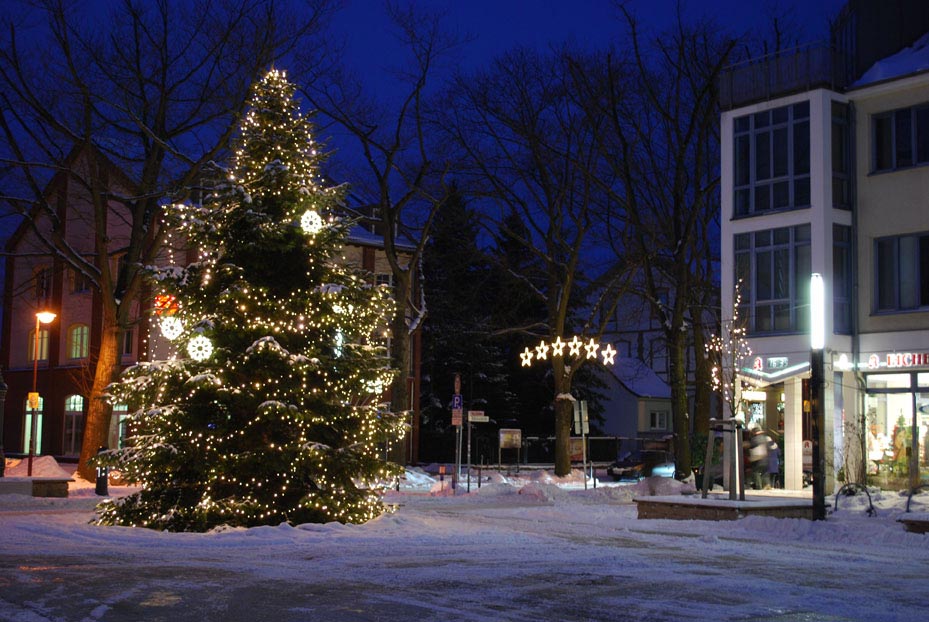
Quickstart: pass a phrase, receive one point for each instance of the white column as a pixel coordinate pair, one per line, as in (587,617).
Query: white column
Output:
(793,434)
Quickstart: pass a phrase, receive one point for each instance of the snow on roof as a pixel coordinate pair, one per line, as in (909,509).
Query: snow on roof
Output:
(907,61)
(640,379)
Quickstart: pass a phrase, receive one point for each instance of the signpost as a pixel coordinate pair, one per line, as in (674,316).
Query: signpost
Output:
(582,427)
(457,411)
(474,416)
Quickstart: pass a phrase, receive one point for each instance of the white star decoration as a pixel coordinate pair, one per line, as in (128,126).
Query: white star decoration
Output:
(311,222)
(557,348)
(574,347)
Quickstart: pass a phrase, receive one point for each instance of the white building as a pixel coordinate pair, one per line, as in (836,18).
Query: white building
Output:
(825,169)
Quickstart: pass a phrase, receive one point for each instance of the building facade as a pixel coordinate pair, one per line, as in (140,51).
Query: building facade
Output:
(826,172)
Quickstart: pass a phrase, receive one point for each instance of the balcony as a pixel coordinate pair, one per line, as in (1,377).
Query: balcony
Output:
(784,73)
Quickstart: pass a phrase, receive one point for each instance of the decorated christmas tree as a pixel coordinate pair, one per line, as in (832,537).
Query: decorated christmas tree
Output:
(267,412)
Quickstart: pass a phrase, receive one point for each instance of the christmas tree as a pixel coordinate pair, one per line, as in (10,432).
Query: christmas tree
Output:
(268,412)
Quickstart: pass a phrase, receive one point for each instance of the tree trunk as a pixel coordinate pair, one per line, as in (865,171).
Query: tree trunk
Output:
(703,381)
(564,413)
(678,377)
(97,424)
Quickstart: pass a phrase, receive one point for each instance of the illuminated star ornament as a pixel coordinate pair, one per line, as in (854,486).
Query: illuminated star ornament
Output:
(557,348)
(171,327)
(200,348)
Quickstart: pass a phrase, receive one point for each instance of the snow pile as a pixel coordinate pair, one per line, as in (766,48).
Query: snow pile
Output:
(42,466)
(661,486)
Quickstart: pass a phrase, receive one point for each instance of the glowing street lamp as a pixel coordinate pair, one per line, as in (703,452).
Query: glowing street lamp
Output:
(817,392)
(42,317)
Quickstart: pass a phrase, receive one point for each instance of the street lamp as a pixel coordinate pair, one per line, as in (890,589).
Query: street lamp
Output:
(42,317)
(817,392)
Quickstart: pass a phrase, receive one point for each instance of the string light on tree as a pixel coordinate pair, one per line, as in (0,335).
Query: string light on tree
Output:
(260,418)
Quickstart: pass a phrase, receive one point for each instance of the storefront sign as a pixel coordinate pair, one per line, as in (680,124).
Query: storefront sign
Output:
(777,362)
(899,359)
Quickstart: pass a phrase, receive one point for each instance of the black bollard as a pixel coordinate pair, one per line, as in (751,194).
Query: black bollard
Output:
(103,476)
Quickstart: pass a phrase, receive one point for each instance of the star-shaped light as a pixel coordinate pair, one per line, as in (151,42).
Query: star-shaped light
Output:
(171,327)
(608,354)
(541,351)
(574,346)
(558,347)
(526,357)
(592,348)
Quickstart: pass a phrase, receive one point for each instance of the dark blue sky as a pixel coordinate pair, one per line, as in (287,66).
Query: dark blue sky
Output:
(495,26)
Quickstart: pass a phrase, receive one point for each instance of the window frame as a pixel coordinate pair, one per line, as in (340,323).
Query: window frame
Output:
(44,340)
(892,122)
(922,303)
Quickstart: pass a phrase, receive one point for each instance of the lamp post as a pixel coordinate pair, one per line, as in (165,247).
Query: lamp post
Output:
(817,393)
(42,317)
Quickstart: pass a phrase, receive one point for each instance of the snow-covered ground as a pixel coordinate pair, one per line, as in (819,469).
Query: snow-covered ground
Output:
(524,547)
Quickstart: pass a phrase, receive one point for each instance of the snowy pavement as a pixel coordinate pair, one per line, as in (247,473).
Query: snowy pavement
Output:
(520,549)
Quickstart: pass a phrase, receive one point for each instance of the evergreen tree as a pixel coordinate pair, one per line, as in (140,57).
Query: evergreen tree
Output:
(458,337)
(267,413)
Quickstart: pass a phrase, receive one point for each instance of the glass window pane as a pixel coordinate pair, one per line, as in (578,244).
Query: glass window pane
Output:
(742,124)
(802,233)
(761,119)
(782,317)
(742,160)
(782,235)
(743,202)
(781,194)
(781,273)
(763,323)
(780,152)
(802,148)
(763,275)
(802,110)
(924,271)
(902,138)
(763,155)
(743,241)
(762,198)
(802,192)
(743,274)
(779,115)
(908,277)
(883,143)
(762,238)
(922,134)
(886,274)
(802,272)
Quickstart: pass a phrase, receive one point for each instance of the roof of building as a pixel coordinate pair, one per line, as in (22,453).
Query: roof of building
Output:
(640,379)
(909,60)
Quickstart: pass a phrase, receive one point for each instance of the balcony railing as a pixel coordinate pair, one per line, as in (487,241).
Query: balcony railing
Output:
(790,71)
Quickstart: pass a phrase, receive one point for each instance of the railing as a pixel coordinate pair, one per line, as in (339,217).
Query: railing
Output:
(790,71)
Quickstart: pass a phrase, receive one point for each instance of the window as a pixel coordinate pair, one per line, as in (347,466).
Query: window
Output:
(658,420)
(774,269)
(80,282)
(78,341)
(771,156)
(43,284)
(900,138)
(384,278)
(842,279)
(119,427)
(128,342)
(901,273)
(43,345)
(74,425)
(841,156)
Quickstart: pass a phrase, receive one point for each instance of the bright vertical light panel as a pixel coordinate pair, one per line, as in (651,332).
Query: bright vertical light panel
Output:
(817,312)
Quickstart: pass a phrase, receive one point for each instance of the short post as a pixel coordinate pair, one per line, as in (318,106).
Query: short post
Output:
(101,486)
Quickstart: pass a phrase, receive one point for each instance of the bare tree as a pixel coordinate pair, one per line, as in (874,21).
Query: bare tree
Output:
(401,176)
(659,110)
(149,89)
(530,150)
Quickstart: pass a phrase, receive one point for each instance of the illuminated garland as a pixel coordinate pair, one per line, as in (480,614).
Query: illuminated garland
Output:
(557,348)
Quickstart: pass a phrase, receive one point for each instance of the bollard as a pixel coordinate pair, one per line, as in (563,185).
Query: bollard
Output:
(103,475)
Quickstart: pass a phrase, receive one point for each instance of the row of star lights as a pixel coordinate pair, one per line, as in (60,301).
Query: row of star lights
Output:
(574,346)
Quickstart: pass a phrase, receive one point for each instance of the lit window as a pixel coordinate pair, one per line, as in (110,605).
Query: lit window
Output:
(74,425)
(78,341)
(43,345)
